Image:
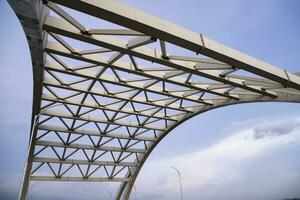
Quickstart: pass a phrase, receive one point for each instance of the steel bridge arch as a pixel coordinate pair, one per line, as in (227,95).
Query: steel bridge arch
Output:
(226,87)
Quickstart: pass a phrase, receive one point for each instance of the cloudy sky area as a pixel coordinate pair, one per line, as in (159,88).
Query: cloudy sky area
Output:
(250,163)
(239,152)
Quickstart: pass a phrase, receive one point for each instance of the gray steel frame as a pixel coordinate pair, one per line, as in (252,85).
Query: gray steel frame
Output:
(149,102)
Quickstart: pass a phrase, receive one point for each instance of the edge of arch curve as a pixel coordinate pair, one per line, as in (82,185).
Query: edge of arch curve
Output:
(31,14)
(125,188)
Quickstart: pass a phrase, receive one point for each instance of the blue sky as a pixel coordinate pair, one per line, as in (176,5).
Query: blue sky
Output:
(245,151)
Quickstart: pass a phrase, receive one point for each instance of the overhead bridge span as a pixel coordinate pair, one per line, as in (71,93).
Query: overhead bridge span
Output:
(105,94)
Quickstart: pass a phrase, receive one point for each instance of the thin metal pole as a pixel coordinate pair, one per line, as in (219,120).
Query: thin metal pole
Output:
(28,163)
(180,184)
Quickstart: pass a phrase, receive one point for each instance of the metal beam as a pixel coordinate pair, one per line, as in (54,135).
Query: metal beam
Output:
(61,27)
(133,85)
(126,16)
(83,162)
(88,147)
(88,132)
(98,92)
(92,105)
(90,118)
(77,179)
(126,67)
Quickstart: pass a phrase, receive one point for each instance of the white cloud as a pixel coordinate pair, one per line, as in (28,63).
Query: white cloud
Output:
(220,164)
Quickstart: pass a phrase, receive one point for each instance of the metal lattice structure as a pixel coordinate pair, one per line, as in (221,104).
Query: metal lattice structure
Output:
(123,90)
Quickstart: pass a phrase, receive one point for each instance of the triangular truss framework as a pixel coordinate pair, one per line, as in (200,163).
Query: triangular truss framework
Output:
(121,89)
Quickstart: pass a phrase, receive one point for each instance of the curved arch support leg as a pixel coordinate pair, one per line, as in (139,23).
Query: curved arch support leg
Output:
(31,21)
(120,191)
(126,187)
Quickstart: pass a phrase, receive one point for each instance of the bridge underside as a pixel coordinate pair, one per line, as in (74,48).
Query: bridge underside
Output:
(122,80)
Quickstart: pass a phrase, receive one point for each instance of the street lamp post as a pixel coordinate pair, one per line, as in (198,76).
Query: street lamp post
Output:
(180,184)
(28,163)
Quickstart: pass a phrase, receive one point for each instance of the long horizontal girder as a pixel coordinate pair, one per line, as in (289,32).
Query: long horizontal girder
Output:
(79,88)
(137,86)
(91,105)
(93,133)
(133,19)
(78,179)
(89,118)
(127,67)
(149,54)
(129,93)
(84,162)
(88,147)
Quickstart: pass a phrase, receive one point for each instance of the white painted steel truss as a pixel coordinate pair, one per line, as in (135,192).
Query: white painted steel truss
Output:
(123,87)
